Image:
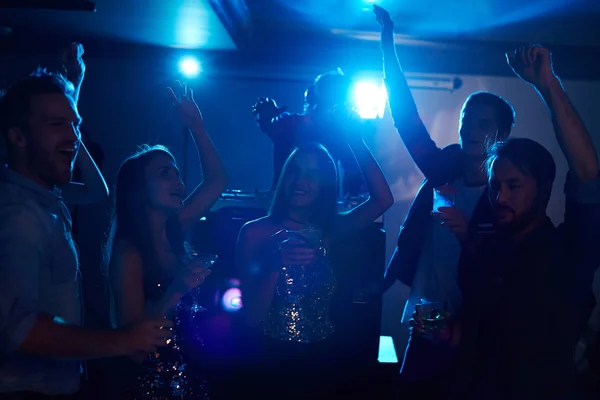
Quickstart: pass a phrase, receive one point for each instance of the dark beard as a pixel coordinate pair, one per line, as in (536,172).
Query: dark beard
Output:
(531,217)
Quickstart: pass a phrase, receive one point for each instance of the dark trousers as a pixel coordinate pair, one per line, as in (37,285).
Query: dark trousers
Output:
(425,370)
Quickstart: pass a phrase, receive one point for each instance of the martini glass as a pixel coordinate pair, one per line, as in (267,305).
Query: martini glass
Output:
(201,260)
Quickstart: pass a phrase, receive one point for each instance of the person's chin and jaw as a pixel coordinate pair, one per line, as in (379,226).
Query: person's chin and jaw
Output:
(508,222)
(300,196)
(58,170)
(65,171)
(505,218)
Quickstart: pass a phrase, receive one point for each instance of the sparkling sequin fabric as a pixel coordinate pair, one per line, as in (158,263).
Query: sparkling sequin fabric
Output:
(299,312)
(165,374)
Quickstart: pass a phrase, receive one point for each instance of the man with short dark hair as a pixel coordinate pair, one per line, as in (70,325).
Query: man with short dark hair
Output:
(524,287)
(41,339)
(429,243)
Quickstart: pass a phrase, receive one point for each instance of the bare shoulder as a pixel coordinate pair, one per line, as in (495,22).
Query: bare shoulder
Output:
(258,229)
(124,248)
(125,257)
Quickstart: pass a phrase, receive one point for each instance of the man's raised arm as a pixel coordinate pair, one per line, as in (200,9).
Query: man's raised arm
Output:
(404,111)
(533,64)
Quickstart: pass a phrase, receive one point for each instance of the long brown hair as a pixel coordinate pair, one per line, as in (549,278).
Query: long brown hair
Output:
(324,207)
(130,219)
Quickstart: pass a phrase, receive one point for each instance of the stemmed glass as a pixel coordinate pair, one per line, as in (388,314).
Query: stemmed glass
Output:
(201,260)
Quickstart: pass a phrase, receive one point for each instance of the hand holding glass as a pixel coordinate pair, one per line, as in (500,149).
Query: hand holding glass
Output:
(443,196)
(206,261)
(433,316)
(294,248)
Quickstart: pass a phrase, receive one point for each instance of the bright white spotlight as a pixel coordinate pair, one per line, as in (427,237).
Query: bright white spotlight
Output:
(370,99)
(190,67)
(367,8)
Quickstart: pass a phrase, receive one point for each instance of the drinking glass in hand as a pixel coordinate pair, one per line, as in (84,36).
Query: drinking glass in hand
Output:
(205,261)
(443,196)
(433,315)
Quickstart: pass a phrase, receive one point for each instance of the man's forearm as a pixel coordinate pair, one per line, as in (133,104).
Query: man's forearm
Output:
(49,338)
(402,103)
(77,90)
(391,64)
(570,130)
(404,112)
(76,78)
(92,188)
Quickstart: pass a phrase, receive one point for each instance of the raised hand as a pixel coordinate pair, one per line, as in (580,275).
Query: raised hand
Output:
(72,61)
(384,19)
(533,64)
(266,108)
(186,105)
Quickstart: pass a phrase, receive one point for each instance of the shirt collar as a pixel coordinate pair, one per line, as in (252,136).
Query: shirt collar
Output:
(48,197)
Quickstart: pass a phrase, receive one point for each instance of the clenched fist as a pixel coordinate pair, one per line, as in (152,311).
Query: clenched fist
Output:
(533,64)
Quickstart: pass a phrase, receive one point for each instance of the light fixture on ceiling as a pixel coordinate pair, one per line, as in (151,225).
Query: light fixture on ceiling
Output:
(190,67)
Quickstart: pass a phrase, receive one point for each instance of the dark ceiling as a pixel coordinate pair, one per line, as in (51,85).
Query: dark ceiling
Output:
(564,22)
(293,31)
(189,24)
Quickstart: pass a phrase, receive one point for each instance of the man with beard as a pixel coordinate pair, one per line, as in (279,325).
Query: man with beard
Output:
(41,338)
(524,286)
(429,246)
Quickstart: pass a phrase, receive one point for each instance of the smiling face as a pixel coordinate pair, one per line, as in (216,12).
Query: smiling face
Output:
(51,139)
(165,188)
(302,181)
